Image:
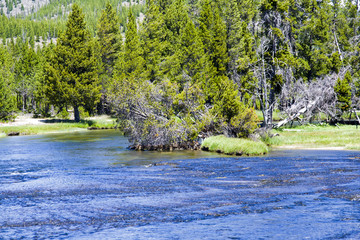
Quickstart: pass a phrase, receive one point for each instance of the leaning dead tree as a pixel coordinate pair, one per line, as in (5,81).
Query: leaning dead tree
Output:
(300,99)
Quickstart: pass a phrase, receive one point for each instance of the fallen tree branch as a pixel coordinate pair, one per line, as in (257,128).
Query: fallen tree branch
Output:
(357,117)
(297,115)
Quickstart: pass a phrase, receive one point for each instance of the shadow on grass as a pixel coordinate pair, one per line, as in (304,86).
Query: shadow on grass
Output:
(88,122)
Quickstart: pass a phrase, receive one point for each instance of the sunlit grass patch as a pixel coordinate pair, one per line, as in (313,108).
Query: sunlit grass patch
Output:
(276,115)
(317,136)
(55,125)
(234,146)
(38,129)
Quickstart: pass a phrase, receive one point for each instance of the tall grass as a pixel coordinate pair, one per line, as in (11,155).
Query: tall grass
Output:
(232,146)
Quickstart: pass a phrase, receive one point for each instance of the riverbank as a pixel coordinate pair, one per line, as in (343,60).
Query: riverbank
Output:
(321,137)
(325,137)
(25,125)
(341,137)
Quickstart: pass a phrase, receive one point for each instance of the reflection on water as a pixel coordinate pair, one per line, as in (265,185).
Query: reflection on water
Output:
(88,185)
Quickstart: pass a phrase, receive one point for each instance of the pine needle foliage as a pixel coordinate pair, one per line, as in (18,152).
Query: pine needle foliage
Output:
(7,98)
(71,76)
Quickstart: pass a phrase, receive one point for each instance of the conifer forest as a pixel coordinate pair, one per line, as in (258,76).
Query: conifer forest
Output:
(172,71)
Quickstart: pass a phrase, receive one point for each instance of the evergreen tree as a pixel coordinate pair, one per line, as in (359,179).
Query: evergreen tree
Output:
(314,37)
(25,75)
(192,56)
(109,38)
(133,59)
(206,21)
(128,73)
(351,12)
(71,76)
(175,18)
(7,99)
(343,93)
(154,40)
(110,44)
(245,64)
(275,55)
(218,47)
(43,104)
(241,46)
(212,30)
(233,25)
(341,30)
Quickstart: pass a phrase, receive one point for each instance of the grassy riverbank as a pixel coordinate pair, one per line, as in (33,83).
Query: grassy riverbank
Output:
(232,146)
(317,136)
(54,125)
(300,137)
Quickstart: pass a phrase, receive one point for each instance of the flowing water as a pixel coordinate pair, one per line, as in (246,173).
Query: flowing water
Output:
(87,185)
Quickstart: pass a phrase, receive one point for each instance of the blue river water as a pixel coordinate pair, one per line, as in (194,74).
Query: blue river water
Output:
(87,185)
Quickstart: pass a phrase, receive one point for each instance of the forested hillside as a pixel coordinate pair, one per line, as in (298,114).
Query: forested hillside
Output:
(189,69)
(43,19)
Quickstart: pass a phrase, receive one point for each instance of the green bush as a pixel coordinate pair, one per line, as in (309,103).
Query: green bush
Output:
(64,114)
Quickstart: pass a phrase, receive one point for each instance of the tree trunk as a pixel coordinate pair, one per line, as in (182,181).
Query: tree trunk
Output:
(76,114)
(46,110)
(296,115)
(101,105)
(357,117)
(24,103)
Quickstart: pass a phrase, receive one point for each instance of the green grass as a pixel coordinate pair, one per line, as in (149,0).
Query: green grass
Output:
(55,125)
(318,136)
(234,145)
(276,115)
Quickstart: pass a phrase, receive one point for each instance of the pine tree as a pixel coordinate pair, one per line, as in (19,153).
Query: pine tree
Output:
(245,64)
(109,38)
(341,30)
(175,18)
(7,99)
(154,40)
(192,55)
(110,44)
(314,37)
(343,93)
(25,75)
(133,59)
(206,21)
(233,25)
(351,12)
(212,30)
(241,46)
(274,55)
(218,48)
(43,105)
(71,76)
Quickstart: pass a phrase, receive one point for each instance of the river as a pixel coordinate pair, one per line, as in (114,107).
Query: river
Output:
(87,185)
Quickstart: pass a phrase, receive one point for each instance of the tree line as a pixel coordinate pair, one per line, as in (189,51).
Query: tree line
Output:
(192,69)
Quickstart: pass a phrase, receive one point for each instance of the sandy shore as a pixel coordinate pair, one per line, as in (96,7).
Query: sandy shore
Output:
(24,120)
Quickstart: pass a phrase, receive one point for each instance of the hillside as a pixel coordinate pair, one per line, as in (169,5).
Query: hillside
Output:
(43,19)
(21,7)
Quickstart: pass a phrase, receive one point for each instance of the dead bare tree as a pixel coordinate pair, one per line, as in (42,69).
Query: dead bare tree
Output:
(274,54)
(306,99)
